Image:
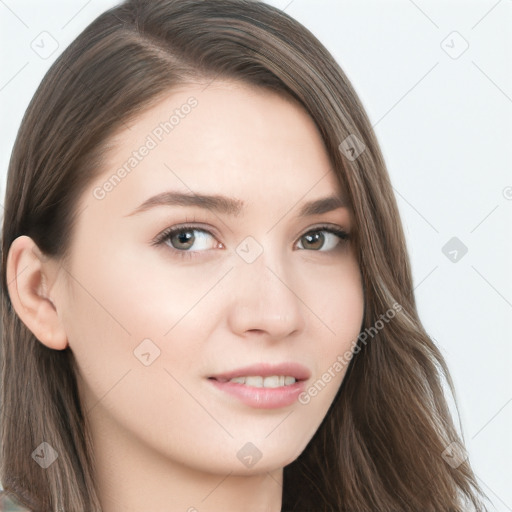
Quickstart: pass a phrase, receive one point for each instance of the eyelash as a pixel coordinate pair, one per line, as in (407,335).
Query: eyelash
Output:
(169,232)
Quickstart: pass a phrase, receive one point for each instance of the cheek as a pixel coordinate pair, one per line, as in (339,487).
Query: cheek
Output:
(130,310)
(128,369)
(338,301)
(132,295)
(337,305)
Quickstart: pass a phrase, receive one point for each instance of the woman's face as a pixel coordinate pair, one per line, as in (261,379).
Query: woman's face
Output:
(255,279)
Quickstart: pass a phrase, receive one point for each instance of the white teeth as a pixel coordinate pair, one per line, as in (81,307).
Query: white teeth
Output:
(275,381)
(255,382)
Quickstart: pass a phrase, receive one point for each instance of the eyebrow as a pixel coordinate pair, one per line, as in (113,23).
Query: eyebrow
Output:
(230,206)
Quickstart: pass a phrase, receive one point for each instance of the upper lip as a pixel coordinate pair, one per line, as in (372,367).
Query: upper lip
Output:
(296,370)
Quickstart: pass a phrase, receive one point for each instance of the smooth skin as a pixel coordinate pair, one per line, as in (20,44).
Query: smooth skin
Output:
(164,438)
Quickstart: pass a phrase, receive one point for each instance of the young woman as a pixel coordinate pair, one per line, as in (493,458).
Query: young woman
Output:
(207,298)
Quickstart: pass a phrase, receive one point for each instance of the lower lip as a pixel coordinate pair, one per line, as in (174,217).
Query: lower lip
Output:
(262,398)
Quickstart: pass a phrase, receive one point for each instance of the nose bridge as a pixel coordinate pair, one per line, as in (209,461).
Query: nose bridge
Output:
(264,297)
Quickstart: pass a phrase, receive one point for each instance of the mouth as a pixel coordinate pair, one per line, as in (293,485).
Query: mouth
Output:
(259,381)
(264,386)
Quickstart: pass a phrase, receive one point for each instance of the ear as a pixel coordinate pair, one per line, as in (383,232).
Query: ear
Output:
(30,275)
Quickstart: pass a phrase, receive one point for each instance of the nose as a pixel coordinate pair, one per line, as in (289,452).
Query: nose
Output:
(265,300)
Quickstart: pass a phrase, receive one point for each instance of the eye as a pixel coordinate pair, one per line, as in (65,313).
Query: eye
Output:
(316,238)
(187,240)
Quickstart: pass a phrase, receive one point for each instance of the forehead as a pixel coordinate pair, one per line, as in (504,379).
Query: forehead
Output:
(226,137)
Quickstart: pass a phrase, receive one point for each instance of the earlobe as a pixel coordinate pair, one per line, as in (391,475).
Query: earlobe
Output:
(28,281)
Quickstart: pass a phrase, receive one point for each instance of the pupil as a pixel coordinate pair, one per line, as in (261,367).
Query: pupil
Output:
(185,236)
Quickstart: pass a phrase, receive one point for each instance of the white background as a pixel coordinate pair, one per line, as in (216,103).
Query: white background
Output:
(444,122)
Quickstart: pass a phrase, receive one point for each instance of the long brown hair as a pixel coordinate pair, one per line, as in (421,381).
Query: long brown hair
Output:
(381,444)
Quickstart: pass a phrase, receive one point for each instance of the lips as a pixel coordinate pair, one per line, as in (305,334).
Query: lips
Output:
(258,397)
(291,369)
